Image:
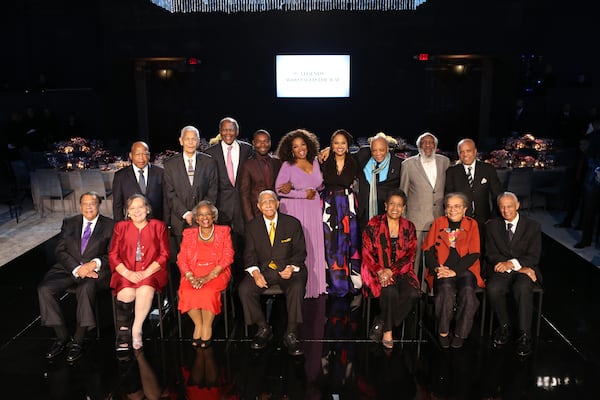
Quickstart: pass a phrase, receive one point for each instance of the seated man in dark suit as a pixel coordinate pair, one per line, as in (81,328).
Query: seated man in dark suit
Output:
(82,263)
(275,254)
(513,249)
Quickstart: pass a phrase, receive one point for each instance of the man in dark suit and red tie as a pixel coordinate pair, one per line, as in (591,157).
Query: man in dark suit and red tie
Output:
(143,178)
(477,180)
(513,249)
(257,173)
(275,254)
(82,264)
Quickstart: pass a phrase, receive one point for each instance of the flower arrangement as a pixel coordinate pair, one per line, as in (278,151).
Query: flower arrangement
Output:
(78,152)
(162,157)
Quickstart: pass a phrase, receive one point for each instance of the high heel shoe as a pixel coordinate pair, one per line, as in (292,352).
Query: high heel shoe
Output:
(205,344)
(388,344)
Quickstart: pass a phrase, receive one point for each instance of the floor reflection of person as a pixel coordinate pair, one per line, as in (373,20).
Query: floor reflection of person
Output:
(138,380)
(205,264)
(452,250)
(389,243)
(138,259)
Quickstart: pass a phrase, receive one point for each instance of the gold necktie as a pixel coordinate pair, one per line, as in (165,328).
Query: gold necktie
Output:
(272,265)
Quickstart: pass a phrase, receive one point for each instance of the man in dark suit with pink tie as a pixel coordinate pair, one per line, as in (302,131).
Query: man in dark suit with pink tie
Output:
(82,264)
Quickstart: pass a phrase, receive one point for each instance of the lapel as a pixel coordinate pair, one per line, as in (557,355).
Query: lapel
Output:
(441,172)
(520,230)
(196,172)
(421,170)
(78,230)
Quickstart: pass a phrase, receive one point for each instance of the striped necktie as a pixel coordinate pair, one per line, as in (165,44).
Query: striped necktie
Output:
(470,176)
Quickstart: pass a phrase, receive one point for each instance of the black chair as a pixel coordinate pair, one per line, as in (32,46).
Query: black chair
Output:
(537,290)
(10,192)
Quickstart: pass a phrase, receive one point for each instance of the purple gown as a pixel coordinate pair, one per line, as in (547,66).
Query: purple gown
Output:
(309,212)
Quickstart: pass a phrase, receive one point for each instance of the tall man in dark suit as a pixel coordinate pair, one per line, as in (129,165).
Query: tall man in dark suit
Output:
(188,178)
(275,254)
(82,263)
(143,178)
(477,180)
(257,173)
(513,249)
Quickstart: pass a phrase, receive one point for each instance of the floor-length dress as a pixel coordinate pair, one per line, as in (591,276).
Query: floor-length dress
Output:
(310,215)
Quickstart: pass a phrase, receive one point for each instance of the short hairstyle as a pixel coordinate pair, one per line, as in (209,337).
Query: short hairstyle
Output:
(344,133)
(507,194)
(261,132)
(229,119)
(460,195)
(190,128)
(205,203)
(423,136)
(132,198)
(465,140)
(96,195)
(140,142)
(396,192)
(268,191)
(380,135)
(284,149)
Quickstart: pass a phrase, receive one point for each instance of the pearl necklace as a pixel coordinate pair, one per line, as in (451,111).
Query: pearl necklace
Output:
(209,236)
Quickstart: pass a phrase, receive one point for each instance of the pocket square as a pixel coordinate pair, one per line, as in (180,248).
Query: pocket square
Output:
(483,181)
(286,240)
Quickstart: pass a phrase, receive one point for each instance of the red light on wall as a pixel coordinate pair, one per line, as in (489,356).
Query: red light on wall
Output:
(423,56)
(193,61)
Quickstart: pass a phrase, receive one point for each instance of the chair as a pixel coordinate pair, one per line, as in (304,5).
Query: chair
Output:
(537,290)
(272,291)
(10,193)
(520,182)
(45,183)
(92,180)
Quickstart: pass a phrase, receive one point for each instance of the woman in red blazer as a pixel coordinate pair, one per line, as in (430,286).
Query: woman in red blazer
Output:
(452,252)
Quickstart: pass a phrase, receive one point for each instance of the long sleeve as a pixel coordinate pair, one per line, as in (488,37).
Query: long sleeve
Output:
(226,249)
(286,175)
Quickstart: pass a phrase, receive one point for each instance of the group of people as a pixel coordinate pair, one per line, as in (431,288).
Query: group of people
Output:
(309,221)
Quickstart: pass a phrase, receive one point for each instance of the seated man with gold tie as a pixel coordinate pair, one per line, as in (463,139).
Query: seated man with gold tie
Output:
(275,253)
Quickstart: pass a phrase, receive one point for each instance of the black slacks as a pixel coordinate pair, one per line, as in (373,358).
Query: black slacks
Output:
(498,285)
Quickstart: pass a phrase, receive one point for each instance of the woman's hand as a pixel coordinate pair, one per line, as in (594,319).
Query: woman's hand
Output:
(285,188)
(445,272)
(386,277)
(310,194)
(134,276)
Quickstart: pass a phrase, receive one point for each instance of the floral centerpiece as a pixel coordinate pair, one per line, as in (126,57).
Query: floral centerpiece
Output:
(162,157)
(78,152)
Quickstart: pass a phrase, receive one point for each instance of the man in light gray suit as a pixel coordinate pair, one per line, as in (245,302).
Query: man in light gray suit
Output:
(422,179)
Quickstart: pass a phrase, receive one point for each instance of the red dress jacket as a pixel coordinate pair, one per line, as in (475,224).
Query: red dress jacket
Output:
(466,242)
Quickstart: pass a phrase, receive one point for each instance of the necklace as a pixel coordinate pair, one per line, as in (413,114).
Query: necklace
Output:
(209,236)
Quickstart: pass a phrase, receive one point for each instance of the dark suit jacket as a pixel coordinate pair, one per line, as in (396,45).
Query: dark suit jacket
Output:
(289,247)
(68,251)
(525,246)
(383,187)
(251,181)
(125,184)
(180,196)
(228,198)
(486,188)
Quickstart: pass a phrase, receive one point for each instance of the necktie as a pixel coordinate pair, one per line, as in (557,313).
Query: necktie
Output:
(87,232)
(229,165)
(267,172)
(190,171)
(272,265)
(509,231)
(470,176)
(142,181)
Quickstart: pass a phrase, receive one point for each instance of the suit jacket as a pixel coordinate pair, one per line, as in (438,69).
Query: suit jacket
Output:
(180,196)
(525,246)
(425,203)
(228,198)
(125,184)
(68,251)
(483,194)
(392,182)
(289,246)
(251,181)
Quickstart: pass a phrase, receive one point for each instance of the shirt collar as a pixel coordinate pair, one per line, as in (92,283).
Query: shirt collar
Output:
(268,221)
(514,222)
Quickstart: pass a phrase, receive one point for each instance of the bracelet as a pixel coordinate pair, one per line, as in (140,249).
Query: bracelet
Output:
(189,274)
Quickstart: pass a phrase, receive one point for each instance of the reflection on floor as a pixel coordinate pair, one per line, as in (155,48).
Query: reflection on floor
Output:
(339,362)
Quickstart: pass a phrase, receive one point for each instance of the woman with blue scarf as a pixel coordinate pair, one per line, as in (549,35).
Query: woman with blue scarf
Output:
(379,173)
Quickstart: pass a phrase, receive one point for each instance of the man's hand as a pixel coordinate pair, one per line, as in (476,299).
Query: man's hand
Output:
(530,272)
(287,272)
(87,270)
(503,266)
(259,279)
(445,272)
(188,218)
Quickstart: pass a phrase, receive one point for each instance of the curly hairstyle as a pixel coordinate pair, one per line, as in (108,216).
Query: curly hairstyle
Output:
(284,148)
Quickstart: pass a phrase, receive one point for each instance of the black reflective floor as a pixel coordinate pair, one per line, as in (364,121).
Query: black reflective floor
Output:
(339,363)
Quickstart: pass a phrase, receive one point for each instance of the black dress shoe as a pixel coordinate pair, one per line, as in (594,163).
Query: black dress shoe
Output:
(502,335)
(581,245)
(292,344)
(376,331)
(524,345)
(261,338)
(55,349)
(444,341)
(75,352)
(457,342)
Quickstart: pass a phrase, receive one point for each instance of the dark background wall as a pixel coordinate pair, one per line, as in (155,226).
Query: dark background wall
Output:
(80,57)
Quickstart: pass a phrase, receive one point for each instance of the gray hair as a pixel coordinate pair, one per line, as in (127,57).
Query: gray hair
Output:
(206,203)
(189,128)
(91,193)
(507,194)
(132,198)
(272,193)
(464,141)
(233,121)
(380,135)
(460,195)
(423,136)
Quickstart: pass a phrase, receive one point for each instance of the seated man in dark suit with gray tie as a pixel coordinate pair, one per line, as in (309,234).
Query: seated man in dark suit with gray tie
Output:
(82,263)
(275,253)
(513,249)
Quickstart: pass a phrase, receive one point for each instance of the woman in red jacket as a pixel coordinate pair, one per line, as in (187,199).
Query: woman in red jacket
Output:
(452,252)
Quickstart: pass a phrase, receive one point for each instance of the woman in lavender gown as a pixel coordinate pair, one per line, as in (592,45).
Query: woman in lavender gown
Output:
(297,185)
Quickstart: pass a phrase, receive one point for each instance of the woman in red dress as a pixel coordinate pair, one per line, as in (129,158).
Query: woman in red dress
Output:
(205,261)
(138,258)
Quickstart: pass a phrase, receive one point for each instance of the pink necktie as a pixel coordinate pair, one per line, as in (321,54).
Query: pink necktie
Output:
(229,165)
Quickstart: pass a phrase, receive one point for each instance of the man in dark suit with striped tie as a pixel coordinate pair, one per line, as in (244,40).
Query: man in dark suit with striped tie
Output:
(82,264)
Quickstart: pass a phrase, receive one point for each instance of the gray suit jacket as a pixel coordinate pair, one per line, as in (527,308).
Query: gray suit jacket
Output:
(425,203)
